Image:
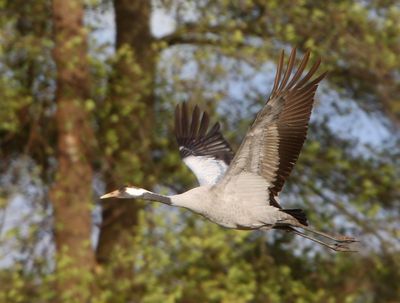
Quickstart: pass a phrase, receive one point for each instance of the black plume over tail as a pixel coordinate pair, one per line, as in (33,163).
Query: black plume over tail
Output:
(298,214)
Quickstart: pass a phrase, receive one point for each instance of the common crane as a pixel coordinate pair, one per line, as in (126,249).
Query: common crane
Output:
(241,191)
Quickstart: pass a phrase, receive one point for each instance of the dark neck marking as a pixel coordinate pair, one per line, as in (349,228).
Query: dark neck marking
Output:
(157,197)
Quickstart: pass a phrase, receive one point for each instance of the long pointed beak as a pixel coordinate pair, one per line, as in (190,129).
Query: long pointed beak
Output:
(112,194)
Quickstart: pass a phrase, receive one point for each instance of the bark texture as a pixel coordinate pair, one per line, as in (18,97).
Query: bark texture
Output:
(71,193)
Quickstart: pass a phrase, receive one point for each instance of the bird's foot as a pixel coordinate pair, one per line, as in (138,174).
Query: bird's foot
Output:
(342,247)
(345,239)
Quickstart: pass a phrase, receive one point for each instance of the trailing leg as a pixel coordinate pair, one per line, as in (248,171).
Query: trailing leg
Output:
(337,246)
(339,238)
(341,245)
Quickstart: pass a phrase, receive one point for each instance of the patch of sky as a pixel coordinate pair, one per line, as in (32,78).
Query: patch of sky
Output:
(24,213)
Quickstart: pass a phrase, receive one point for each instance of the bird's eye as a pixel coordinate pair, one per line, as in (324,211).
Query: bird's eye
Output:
(122,188)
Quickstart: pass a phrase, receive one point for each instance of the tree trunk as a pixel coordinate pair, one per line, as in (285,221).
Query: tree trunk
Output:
(132,102)
(71,193)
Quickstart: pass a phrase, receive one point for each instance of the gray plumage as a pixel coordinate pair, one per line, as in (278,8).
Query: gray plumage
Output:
(241,191)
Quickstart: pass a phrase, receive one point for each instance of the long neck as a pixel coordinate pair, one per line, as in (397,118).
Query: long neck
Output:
(195,199)
(148,195)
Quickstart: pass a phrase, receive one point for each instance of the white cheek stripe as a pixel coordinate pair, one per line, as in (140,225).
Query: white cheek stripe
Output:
(207,170)
(134,191)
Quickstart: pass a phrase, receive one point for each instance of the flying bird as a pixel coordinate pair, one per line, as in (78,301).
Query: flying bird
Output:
(241,191)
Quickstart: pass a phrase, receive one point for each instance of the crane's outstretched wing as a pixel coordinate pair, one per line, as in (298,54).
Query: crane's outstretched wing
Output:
(204,151)
(272,145)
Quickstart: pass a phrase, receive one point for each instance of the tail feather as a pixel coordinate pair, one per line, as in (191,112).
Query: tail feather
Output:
(298,214)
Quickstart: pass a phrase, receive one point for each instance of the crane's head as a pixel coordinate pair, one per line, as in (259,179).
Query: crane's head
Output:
(126,192)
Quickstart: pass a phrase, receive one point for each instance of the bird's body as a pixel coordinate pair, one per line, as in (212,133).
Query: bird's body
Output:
(241,191)
(224,205)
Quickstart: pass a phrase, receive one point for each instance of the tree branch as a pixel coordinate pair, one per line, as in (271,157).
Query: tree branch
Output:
(190,33)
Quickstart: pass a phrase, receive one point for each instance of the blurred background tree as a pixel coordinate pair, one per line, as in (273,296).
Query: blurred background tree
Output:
(82,112)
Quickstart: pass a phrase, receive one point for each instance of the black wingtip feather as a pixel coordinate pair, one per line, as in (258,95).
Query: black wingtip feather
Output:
(194,137)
